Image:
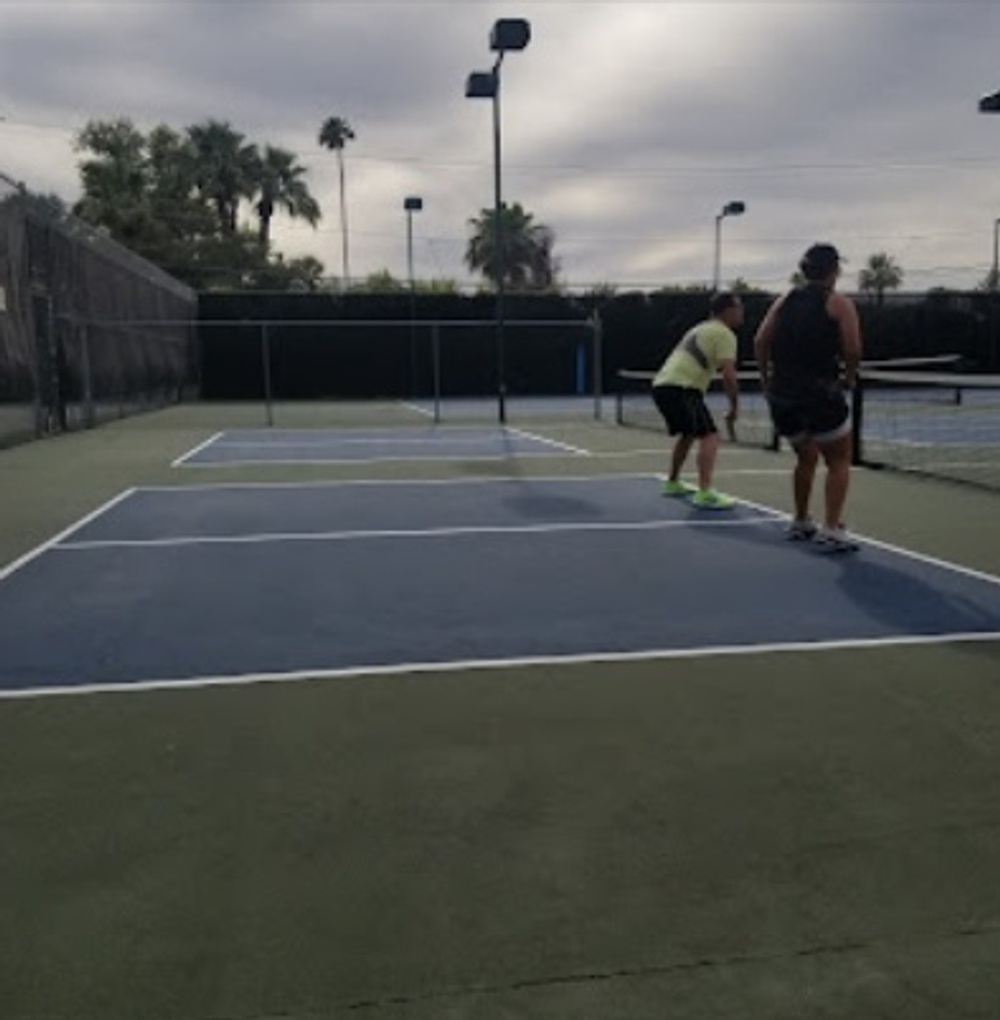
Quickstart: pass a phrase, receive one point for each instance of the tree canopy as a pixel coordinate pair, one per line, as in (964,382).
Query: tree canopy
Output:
(176,199)
(527,248)
(879,274)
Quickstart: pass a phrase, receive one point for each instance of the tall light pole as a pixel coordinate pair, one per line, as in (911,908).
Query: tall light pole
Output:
(508,34)
(994,283)
(991,104)
(729,209)
(412,204)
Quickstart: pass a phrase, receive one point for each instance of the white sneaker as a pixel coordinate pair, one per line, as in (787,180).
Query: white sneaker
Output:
(835,540)
(801,531)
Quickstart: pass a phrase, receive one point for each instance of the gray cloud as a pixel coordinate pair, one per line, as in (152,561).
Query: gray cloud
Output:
(626,125)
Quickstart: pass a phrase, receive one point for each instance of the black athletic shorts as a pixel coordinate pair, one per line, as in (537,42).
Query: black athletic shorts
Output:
(812,410)
(684,410)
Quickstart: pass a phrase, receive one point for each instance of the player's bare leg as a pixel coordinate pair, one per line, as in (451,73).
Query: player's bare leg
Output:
(681,450)
(837,455)
(803,477)
(708,451)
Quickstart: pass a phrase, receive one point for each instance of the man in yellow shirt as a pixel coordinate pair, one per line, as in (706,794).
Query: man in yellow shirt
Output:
(679,393)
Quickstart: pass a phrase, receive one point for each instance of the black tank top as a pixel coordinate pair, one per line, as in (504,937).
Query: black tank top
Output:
(805,347)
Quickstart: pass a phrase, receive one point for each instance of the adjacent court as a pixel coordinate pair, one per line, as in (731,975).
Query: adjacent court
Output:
(332,446)
(230,582)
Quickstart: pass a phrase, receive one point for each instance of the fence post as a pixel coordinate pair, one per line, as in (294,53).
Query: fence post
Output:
(598,359)
(89,414)
(436,356)
(265,353)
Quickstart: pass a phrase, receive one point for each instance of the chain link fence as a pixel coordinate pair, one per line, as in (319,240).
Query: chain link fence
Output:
(88,330)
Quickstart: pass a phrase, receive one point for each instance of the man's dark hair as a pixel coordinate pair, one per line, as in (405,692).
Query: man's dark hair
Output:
(722,300)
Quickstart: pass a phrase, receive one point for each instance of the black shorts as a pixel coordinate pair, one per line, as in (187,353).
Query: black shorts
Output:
(815,410)
(684,410)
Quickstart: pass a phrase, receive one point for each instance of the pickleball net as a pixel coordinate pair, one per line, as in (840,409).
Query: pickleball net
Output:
(634,407)
(942,424)
(917,415)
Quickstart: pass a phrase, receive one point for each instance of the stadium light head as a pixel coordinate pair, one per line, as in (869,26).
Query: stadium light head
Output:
(481,85)
(413,203)
(990,104)
(509,34)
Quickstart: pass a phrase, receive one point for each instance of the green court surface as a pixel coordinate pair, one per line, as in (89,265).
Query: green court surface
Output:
(784,835)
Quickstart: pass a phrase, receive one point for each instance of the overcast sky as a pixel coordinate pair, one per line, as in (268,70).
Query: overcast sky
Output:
(626,126)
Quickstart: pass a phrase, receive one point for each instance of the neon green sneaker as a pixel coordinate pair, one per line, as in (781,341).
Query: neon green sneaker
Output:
(709,499)
(678,488)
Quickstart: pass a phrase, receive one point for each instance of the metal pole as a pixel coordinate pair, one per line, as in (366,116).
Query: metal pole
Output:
(436,359)
(265,354)
(718,250)
(413,325)
(598,339)
(89,417)
(498,245)
(994,284)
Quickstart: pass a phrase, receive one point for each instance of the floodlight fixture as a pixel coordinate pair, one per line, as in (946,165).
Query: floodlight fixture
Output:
(735,208)
(509,34)
(481,85)
(990,103)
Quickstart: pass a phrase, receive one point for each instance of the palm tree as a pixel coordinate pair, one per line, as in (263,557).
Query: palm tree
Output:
(279,184)
(528,262)
(335,134)
(881,273)
(226,168)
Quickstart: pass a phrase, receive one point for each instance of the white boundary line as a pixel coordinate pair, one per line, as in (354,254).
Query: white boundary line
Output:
(550,442)
(180,461)
(324,483)
(898,550)
(481,432)
(405,669)
(360,460)
(50,543)
(415,408)
(452,532)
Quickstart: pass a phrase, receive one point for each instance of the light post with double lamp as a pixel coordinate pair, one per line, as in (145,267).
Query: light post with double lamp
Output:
(412,204)
(507,35)
(729,209)
(991,104)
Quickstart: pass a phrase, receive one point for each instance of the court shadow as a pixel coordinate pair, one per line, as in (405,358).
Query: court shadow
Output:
(900,597)
(908,595)
(547,507)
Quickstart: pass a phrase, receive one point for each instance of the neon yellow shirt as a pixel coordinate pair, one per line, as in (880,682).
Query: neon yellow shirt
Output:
(696,359)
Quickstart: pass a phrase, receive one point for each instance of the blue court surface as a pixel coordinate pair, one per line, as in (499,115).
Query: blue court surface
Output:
(331,446)
(212,584)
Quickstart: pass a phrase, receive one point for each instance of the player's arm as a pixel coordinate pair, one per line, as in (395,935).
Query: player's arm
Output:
(762,343)
(843,310)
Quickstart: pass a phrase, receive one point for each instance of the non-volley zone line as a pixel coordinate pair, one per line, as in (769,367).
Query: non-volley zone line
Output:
(398,533)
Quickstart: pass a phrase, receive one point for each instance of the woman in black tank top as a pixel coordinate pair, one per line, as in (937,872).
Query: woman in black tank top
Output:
(808,339)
